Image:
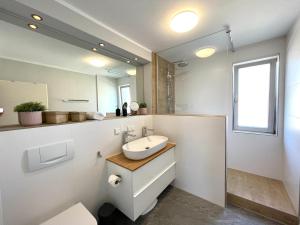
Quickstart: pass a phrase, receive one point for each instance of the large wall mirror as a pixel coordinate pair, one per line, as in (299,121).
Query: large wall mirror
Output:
(62,76)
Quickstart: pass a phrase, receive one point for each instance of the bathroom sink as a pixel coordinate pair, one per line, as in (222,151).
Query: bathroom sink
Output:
(144,147)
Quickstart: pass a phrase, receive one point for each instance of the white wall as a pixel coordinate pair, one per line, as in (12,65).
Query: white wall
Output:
(200,153)
(13,93)
(107,94)
(1,211)
(205,87)
(61,84)
(30,198)
(292,116)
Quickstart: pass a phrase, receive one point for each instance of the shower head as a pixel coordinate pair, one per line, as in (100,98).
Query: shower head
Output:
(181,63)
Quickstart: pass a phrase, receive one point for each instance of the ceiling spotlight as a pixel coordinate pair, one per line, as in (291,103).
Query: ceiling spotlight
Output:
(101,44)
(36,17)
(33,26)
(128,61)
(94,49)
(136,59)
(184,21)
(131,72)
(205,52)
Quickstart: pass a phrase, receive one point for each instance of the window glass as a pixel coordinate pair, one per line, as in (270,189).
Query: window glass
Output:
(125,96)
(253,96)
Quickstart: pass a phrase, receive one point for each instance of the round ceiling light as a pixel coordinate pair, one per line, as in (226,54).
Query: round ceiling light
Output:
(131,72)
(96,62)
(102,44)
(94,49)
(205,52)
(184,21)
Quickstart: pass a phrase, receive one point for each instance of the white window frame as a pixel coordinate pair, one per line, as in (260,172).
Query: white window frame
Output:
(272,128)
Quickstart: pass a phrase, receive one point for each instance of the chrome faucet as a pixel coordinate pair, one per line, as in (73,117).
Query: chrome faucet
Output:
(126,135)
(145,131)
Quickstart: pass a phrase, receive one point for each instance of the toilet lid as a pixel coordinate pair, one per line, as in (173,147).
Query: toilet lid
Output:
(75,215)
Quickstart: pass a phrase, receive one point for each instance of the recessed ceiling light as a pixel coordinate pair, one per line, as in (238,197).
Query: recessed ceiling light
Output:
(131,72)
(101,44)
(33,26)
(184,21)
(94,49)
(128,61)
(36,17)
(136,59)
(205,52)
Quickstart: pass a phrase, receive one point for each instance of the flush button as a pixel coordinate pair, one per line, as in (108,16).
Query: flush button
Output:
(49,155)
(52,152)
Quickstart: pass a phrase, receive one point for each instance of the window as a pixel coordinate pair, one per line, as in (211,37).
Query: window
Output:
(125,96)
(255,96)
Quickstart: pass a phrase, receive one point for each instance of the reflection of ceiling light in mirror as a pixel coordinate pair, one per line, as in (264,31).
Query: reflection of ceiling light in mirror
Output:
(205,52)
(131,72)
(128,61)
(136,59)
(32,26)
(95,62)
(94,49)
(36,17)
(184,21)
(101,44)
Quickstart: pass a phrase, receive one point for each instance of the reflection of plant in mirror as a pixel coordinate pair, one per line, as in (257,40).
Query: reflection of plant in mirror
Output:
(143,105)
(30,107)
(143,108)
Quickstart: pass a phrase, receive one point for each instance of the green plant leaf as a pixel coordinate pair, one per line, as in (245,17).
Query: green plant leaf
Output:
(30,107)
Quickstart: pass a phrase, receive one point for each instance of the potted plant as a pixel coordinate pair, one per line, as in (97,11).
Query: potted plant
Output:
(143,109)
(30,113)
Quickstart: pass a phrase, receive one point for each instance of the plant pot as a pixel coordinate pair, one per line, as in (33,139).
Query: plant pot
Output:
(143,111)
(30,118)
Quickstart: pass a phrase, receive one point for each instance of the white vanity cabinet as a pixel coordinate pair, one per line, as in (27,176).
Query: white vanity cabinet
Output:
(142,181)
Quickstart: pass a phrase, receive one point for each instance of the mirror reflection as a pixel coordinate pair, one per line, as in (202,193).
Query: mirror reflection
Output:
(61,76)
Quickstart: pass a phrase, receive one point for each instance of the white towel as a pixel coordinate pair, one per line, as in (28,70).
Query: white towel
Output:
(94,116)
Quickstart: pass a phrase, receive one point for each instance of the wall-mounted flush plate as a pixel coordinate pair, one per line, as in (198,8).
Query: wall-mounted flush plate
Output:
(40,157)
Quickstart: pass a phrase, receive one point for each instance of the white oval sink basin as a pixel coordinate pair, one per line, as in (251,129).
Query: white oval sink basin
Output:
(144,147)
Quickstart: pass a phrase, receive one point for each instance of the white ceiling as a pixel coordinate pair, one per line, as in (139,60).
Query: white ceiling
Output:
(147,21)
(22,44)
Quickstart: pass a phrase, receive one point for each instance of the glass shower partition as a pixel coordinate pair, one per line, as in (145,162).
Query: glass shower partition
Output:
(177,67)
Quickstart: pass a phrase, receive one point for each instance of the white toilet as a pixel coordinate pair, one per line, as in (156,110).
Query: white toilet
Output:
(75,215)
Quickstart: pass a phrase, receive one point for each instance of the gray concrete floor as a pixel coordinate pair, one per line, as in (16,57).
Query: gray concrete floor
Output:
(177,207)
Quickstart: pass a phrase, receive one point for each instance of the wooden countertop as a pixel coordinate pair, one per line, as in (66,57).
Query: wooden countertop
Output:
(132,165)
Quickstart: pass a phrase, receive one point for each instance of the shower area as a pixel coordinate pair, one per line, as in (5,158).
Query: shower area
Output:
(165,86)
(196,78)
(176,68)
